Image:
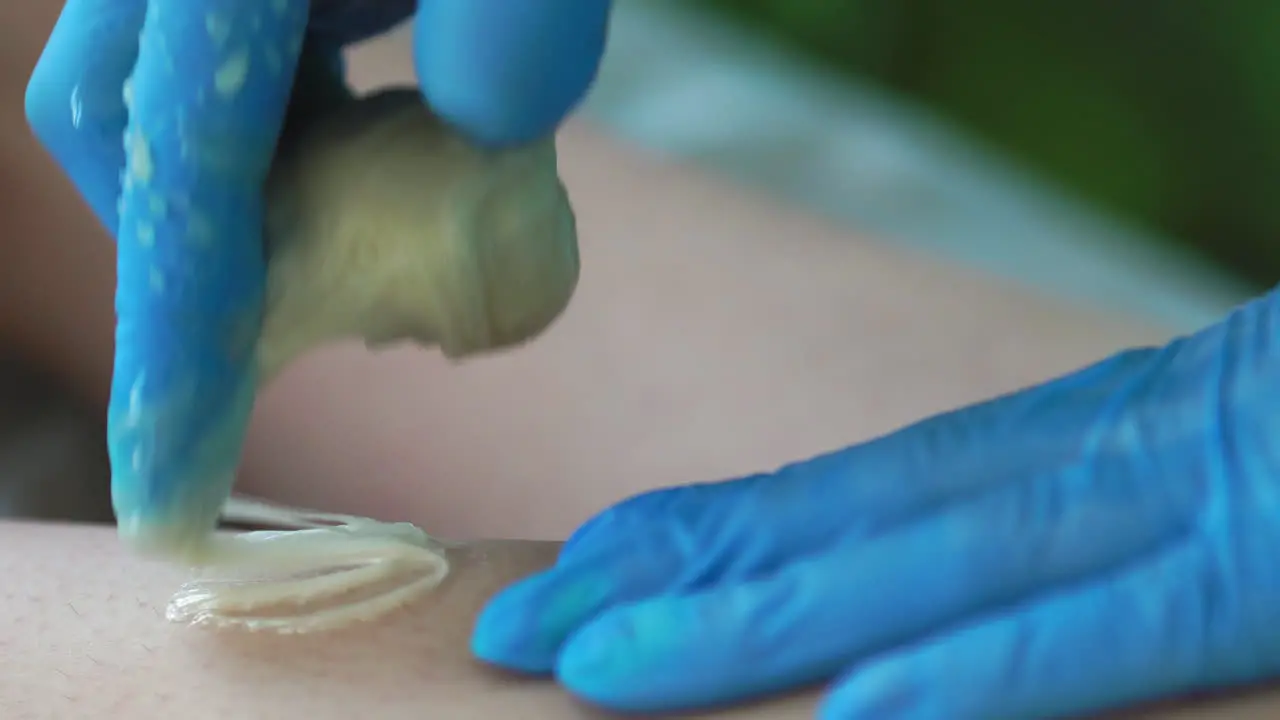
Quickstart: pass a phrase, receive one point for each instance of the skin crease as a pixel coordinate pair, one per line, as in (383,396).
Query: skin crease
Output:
(633,388)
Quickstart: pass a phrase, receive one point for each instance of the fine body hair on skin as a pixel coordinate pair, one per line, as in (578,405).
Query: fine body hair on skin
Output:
(84,637)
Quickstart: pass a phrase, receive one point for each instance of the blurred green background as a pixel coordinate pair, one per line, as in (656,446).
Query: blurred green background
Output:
(1165,113)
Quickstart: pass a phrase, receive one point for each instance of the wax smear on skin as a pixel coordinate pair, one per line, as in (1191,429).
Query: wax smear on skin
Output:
(431,240)
(320,572)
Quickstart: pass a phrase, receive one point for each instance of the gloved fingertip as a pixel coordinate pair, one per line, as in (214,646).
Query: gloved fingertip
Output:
(884,690)
(523,627)
(505,636)
(175,430)
(595,664)
(508,71)
(182,539)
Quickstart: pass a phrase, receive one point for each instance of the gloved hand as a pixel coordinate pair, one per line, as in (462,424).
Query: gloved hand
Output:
(1105,538)
(169,136)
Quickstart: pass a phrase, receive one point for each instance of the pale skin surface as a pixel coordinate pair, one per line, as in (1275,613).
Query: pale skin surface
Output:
(102,648)
(83,627)
(713,334)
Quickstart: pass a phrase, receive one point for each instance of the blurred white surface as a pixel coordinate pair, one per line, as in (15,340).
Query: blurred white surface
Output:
(684,83)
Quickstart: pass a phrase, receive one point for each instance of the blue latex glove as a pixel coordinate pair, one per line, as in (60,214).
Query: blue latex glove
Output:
(211,82)
(1108,537)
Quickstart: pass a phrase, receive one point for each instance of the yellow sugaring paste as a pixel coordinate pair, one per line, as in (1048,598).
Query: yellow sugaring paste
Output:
(383,224)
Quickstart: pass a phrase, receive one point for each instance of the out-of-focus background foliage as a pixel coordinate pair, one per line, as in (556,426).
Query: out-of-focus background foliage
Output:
(1163,112)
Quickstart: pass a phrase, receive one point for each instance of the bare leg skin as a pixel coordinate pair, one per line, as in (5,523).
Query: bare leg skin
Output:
(84,636)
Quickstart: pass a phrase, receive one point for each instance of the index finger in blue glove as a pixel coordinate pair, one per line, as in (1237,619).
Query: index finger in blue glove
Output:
(687,539)
(508,71)
(501,71)
(210,81)
(210,90)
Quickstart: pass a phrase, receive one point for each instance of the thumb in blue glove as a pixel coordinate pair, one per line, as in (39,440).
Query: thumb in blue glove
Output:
(1099,540)
(177,174)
